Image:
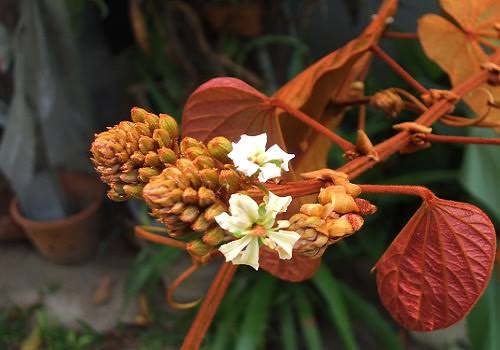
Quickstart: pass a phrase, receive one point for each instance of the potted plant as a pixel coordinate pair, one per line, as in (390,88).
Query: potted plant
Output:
(45,141)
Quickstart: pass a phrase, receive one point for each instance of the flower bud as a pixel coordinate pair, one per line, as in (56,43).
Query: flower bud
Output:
(189,214)
(214,236)
(350,188)
(193,152)
(162,137)
(137,114)
(170,125)
(219,147)
(312,209)
(343,203)
(167,156)
(137,158)
(229,180)
(189,142)
(114,196)
(130,177)
(198,248)
(153,160)
(183,164)
(209,177)
(152,121)
(214,210)
(133,190)
(325,195)
(142,129)
(205,196)
(201,224)
(146,173)
(190,196)
(204,162)
(177,208)
(365,207)
(146,144)
(170,198)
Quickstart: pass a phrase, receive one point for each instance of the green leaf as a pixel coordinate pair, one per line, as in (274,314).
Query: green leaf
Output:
(483,322)
(252,331)
(361,309)
(312,336)
(288,330)
(335,306)
(480,170)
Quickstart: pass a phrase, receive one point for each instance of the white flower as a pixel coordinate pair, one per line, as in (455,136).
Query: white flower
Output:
(250,156)
(253,225)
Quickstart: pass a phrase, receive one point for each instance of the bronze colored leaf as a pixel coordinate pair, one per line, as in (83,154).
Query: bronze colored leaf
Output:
(438,266)
(457,49)
(297,269)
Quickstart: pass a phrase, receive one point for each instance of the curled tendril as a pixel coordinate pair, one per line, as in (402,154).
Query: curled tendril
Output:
(177,282)
(464,122)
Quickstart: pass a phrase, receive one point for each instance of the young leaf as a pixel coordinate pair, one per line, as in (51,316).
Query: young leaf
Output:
(457,50)
(438,266)
(297,269)
(312,336)
(288,331)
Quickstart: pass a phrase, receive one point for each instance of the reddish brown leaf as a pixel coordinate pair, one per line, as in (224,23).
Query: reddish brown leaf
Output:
(229,107)
(438,266)
(297,269)
(457,48)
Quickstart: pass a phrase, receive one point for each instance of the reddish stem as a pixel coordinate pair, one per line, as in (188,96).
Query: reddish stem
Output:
(209,307)
(340,141)
(153,237)
(398,69)
(460,139)
(178,281)
(399,35)
(420,191)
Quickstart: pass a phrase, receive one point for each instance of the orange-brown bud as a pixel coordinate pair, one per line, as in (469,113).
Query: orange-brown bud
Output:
(152,121)
(198,248)
(229,180)
(219,147)
(190,196)
(170,125)
(209,177)
(201,224)
(162,137)
(214,210)
(137,114)
(189,214)
(133,190)
(214,236)
(146,144)
(204,162)
(205,196)
(167,156)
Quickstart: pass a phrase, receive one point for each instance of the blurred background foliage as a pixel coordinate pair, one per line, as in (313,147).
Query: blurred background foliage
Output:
(153,53)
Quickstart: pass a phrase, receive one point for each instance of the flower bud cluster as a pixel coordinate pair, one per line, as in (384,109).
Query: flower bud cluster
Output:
(130,153)
(337,215)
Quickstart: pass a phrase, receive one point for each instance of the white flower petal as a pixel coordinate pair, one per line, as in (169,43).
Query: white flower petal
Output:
(285,240)
(250,256)
(244,208)
(276,153)
(269,171)
(276,204)
(256,142)
(232,249)
(246,167)
(232,224)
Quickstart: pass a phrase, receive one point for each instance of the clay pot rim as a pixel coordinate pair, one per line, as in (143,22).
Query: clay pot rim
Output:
(87,211)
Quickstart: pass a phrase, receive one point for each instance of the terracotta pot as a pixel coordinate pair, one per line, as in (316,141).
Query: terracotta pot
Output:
(72,239)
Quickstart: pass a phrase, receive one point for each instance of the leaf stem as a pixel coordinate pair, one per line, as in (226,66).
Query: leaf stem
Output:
(422,192)
(209,307)
(399,35)
(340,141)
(398,69)
(142,232)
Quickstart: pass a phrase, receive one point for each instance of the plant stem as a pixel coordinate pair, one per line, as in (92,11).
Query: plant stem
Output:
(340,141)
(460,139)
(142,232)
(209,307)
(420,191)
(175,284)
(400,35)
(355,101)
(398,69)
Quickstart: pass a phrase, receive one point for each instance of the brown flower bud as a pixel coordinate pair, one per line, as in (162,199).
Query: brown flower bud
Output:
(162,137)
(146,173)
(193,152)
(133,190)
(214,236)
(198,248)
(205,196)
(325,195)
(201,224)
(312,209)
(214,210)
(152,160)
(137,114)
(170,125)
(183,164)
(137,158)
(189,142)
(167,156)
(209,177)
(177,208)
(190,196)
(365,207)
(146,144)
(229,180)
(152,121)
(219,147)
(130,177)
(204,162)
(343,203)
(142,129)
(189,214)
(116,196)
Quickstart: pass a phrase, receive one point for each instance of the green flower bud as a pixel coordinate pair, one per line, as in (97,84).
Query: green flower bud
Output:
(198,248)
(209,177)
(189,214)
(162,137)
(190,196)
(170,125)
(133,190)
(219,147)
(167,156)
(146,144)
(152,121)
(214,210)
(153,160)
(204,162)
(229,180)
(146,173)
(205,196)
(138,114)
(214,236)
